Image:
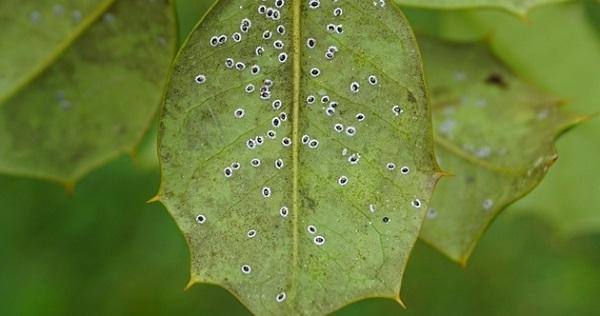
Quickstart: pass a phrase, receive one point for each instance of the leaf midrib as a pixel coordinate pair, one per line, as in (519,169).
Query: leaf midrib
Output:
(297,67)
(56,53)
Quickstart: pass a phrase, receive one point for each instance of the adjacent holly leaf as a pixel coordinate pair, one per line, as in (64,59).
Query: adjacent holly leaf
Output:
(296,152)
(519,7)
(493,131)
(564,42)
(34,33)
(96,101)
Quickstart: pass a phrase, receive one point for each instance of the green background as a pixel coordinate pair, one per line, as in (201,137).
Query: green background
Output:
(103,251)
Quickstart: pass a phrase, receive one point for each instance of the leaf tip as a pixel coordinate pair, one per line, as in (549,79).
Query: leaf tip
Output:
(154,199)
(191,283)
(399,301)
(69,186)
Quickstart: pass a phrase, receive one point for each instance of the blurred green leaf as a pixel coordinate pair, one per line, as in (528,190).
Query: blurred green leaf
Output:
(96,101)
(249,230)
(35,33)
(519,7)
(558,48)
(189,13)
(493,131)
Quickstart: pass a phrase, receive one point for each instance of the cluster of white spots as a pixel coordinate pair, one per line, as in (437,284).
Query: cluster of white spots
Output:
(416,203)
(331,51)
(405,170)
(218,40)
(200,79)
(266,192)
(35,17)
(276,122)
(108,18)
(284,211)
(272,13)
(279,164)
(271,134)
(228,171)
(312,143)
(240,66)
(330,111)
(278,44)
(58,10)
(281,29)
(283,57)
(319,240)
(354,159)
(488,204)
(397,110)
(379,3)
(245,25)
(373,80)
(255,162)
(351,131)
(277,104)
(332,28)
(259,51)
(251,143)
(372,208)
(280,297)
(246,269)
(286,142)
(239,113)
(200,219)
(315,72)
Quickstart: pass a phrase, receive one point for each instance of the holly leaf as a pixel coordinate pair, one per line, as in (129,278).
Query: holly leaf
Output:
(96,100)
(296,152)
(518,7)
(564,42)
(493,131)
(35,33)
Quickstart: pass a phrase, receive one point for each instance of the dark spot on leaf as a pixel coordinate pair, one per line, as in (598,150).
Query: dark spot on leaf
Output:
(497,80)
(411,97)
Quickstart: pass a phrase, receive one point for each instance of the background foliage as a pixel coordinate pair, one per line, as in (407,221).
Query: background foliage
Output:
(102,251)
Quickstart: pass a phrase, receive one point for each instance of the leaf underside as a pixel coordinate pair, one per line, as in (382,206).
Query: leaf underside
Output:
(34,32)
(249,228)
(520,7)
(493,132)
(96,101)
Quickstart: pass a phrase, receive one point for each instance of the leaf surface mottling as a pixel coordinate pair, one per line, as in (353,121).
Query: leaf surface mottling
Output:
(310,218)
(96,101)
(494,132)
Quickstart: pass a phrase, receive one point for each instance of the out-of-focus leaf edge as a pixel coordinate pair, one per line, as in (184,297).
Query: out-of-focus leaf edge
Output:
(463,260)
(69,183)
(522,14)
(81,29)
